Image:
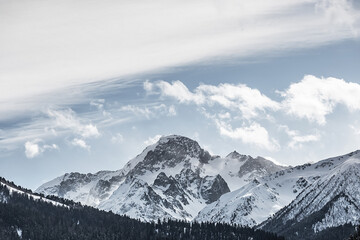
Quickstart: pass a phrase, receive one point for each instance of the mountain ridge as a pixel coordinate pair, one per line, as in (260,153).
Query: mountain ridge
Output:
(313,201)
(331,201)
(25,216)
(196,177)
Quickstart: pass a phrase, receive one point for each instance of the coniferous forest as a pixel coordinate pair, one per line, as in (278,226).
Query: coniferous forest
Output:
(22,217)
(356,235)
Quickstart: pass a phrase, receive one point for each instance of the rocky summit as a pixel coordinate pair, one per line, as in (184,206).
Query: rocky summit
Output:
(173,178)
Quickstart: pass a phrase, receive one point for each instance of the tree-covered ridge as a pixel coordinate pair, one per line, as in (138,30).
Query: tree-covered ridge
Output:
(356,235)
(64,201)
(22,217)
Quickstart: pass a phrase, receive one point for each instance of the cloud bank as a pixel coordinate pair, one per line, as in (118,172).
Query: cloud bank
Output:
(47,46)
(311,98)
(235,97)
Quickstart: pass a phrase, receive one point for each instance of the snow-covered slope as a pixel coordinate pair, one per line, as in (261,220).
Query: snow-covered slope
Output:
(331,201)
(263,197)
(238,169)
(13,188)
(174,178)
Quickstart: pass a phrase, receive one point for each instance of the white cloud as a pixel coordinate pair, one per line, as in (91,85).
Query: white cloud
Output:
(67,119)
(313,98)
(234,97)
(125,37)
(253,134)
(32,149)
(142,111)
(226,115)
(152,140)
(118,138)
(151,111)
(176,89)
(339,12)
(50,130)
(36,147)
(172,111)
(297,139)
(248,100)
(98,103)
(52,146)
(80,143)
(148,86)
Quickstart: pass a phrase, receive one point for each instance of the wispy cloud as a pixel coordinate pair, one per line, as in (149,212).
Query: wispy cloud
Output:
(52,124)
(125,37)
(67,119)
(80,143)
(117,138)
(36,147)
(297,139)
(150,111)
(235,97)
(98,103)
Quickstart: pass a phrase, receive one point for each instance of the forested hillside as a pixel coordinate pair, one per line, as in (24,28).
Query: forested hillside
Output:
(23,217)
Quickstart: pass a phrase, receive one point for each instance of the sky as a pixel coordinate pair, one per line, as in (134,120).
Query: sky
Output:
(87,85)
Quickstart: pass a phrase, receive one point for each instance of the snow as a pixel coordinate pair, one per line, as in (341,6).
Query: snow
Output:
(229,167)
(131,199)
(259,188)
(122,198)
(19,232)
(260,199)
(248,205)
(334,195)
(341,212)
(35,197)
(133,162)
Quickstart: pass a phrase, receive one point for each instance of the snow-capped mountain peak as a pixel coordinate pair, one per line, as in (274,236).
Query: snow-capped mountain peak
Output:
(237,155)
(265,196)
(173,178)
(333,198)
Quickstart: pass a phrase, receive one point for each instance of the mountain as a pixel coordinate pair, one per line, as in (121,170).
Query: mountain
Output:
(332,201)
(173,178)
(25,215)
(11,189)
(258,200)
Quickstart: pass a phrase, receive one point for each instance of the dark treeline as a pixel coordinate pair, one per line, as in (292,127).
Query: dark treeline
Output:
(37,220)
(356,235)
(51,197)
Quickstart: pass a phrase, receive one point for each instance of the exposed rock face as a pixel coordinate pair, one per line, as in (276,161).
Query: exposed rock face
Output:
(320,196)
(174,178)
(169,153)
(331,201)
(213,187)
